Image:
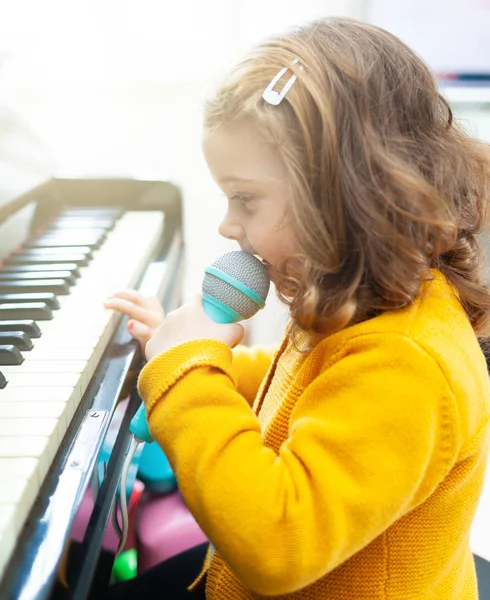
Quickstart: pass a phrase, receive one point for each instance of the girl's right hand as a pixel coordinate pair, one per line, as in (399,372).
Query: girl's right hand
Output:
(145,313)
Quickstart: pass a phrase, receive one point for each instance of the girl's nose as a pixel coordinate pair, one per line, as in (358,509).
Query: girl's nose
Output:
(230,229)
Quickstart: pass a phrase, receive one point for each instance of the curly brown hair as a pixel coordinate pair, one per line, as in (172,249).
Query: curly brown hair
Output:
(386,184)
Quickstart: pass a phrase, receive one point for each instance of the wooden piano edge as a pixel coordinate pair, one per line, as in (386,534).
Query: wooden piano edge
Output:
(32,568)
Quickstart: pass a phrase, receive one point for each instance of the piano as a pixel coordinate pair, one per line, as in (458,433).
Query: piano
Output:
(66,362)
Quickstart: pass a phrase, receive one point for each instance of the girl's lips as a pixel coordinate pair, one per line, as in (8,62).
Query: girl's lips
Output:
(262,260)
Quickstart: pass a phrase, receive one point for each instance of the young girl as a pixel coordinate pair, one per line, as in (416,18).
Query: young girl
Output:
(353,470)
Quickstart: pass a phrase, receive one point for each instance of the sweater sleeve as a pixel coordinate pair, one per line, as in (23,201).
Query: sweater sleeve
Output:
(250,365)
(369,439)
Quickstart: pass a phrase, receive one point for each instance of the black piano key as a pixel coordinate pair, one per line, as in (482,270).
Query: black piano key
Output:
(10,355)
(19,339)
(66,276)
(35,286)
(37,311)
(50,299)
(72,267)
(55,250)
(27,326)
(3,381)
(47,259)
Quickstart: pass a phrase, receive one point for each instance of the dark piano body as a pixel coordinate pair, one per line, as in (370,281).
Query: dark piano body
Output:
(33,567)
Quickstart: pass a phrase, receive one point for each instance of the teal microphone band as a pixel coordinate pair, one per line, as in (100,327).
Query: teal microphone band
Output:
(236,284)
(218,311)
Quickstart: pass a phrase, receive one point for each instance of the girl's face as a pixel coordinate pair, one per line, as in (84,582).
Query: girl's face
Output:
(250,173)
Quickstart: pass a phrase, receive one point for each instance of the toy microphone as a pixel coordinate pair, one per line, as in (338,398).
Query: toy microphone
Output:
(234,288)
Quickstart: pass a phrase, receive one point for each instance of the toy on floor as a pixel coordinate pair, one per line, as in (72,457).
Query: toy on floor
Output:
(125,566)
(164,527)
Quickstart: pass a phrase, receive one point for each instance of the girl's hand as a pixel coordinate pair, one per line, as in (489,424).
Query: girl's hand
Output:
(145,314)
(190,322)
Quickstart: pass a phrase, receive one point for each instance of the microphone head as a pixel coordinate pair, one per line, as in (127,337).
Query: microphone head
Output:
(234,287)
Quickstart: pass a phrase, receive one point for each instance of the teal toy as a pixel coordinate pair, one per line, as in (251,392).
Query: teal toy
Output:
(155,471)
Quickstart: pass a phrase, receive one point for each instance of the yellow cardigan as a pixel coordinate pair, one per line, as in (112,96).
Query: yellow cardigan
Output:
(360,475)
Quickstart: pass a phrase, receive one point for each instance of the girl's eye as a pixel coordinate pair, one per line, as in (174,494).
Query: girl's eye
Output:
(242,198)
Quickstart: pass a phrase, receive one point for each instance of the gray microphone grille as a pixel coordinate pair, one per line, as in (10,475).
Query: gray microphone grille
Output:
(247,269)
(229,295)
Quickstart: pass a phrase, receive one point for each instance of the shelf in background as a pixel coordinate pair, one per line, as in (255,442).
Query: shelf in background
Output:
(456,94)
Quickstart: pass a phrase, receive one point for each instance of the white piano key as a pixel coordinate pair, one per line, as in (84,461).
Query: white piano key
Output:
(31,371)
(12,395)
(28,426)
(8,534)
(81,317)
(25,393)
(46,366)
(20,493)
(40,447)
(67,395)
(22,479)
(61,412)
(37,410)
(18,468)
(59,353)
(59,339)
(12,493)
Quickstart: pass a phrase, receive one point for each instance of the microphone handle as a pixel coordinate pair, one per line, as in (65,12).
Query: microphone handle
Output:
(139,426)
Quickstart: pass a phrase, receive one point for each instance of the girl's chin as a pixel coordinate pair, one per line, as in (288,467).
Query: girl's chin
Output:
(275,277)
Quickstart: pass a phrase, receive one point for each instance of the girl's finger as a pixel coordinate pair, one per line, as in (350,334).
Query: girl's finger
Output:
(135,297)
(238,332)
(139,331)
(148,317)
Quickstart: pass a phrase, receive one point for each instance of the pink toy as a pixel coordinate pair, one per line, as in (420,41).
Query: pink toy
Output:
(165,527)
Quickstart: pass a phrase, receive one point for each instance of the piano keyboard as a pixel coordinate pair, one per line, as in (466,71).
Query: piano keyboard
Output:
(41,394)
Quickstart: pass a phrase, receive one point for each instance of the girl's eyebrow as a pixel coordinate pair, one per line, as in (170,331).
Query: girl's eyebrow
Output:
(232,178)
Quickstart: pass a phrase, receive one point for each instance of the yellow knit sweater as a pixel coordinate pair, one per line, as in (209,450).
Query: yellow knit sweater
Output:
(360,476)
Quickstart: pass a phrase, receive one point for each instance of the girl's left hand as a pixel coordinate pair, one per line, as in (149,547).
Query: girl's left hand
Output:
(187,323)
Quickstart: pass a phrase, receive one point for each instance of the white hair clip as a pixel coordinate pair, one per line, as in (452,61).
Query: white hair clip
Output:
(273,97)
